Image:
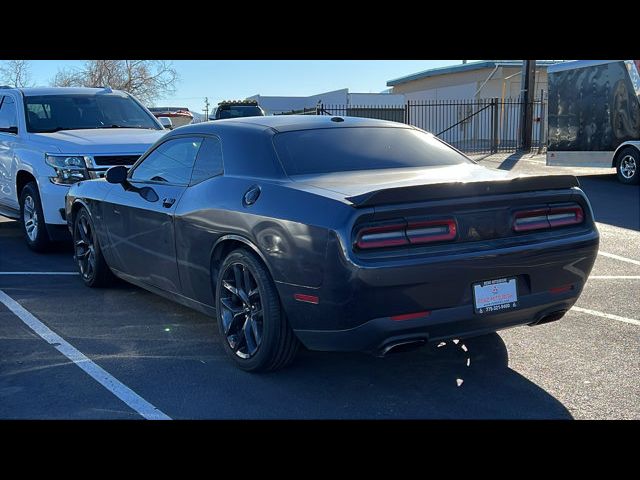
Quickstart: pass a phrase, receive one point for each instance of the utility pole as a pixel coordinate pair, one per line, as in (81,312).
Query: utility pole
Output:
(527,92)
(206,109)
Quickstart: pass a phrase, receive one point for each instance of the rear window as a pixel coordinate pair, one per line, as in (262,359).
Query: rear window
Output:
(305,152)
(236,111)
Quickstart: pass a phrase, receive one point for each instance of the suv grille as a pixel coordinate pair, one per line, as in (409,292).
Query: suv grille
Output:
(115,159)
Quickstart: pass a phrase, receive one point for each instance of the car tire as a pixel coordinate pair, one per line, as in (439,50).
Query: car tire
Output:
(255,332)
(93,268)
(628,166)
(32,219)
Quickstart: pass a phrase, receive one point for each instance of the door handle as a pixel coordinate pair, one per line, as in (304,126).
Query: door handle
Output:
(168,202)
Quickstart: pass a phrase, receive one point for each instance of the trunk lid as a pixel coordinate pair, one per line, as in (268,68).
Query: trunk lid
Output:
(397,186)
(479,205)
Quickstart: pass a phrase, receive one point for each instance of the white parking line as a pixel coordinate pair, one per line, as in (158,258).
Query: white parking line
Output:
(618,257)
(614,277)
(104,378)
(632,321)
(38,273)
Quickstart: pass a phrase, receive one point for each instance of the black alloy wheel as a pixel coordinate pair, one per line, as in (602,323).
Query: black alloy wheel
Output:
(94,271)
(251,320)
(241,309)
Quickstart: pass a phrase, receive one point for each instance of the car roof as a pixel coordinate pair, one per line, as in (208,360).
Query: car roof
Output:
(287,123)
(39,91)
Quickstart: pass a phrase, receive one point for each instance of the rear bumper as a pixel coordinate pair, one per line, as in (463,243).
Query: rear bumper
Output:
(376,335)
(356,302)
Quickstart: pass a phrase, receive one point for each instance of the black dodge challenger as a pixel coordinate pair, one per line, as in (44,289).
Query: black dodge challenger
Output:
(338,233)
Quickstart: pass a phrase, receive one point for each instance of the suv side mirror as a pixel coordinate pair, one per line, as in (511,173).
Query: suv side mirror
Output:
(166,123)
(117,174)
(9,129)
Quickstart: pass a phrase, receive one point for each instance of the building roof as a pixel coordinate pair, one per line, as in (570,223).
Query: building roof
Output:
(464,67)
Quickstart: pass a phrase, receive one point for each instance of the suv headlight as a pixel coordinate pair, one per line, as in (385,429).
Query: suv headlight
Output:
(69,169)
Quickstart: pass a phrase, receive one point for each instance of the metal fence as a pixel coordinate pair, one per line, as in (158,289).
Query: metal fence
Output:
(472,126)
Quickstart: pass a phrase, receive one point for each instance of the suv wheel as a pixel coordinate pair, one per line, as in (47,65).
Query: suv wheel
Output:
(33,226)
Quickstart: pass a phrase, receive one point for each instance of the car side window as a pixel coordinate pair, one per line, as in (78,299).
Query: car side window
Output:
(171,162)
(209,160)
(8,114)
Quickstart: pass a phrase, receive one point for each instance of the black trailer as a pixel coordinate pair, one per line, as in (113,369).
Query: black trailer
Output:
(594,116)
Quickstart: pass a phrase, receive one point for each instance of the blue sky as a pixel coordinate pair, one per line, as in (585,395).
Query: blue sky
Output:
(231,79)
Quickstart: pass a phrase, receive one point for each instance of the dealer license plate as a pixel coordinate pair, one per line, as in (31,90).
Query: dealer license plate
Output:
(495,295)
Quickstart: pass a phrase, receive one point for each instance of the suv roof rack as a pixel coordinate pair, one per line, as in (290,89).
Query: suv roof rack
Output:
(238,102)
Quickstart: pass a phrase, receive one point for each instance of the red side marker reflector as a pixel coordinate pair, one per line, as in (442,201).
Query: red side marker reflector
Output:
(307,298)
(562,289)
(410,316)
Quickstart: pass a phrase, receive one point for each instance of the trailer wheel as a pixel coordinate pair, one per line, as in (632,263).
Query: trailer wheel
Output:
(628,166)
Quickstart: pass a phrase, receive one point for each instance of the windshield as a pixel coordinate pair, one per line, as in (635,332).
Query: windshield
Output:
(236,111)
(305,152)
(50,113)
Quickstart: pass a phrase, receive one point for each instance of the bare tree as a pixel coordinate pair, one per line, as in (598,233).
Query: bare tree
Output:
(15,73)
(148,80)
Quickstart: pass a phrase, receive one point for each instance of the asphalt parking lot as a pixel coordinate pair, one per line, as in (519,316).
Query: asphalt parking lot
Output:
(170,360)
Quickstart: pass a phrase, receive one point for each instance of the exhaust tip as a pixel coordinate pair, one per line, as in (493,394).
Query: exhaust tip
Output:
(403,346)
(550,317)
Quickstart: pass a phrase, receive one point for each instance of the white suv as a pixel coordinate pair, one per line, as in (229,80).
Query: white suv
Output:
(51,138)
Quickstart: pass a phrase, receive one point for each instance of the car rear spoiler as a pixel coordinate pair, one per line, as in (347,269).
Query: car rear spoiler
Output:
(419,193)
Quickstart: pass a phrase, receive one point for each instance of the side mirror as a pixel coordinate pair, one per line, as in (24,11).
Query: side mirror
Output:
(9,130)
(166,123)
(117,174)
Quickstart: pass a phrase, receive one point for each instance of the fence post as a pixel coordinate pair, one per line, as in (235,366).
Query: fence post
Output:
(541,136)
(494,125)
(406,113)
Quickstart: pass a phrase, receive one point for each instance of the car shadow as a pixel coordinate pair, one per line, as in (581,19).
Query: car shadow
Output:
(196,380)
(613,202)
(470,379)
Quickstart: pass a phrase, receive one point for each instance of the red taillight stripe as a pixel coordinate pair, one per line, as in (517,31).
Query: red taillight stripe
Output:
(384,228)
(301,297)
(410,316)
(562,289)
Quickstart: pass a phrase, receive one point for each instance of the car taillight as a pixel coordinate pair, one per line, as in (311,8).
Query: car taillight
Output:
(531,220)
(549,217)
(560,216)
(382,236)
(432,231)
(399,234)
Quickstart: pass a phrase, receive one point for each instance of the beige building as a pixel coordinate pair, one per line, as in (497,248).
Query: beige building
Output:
(474,80)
